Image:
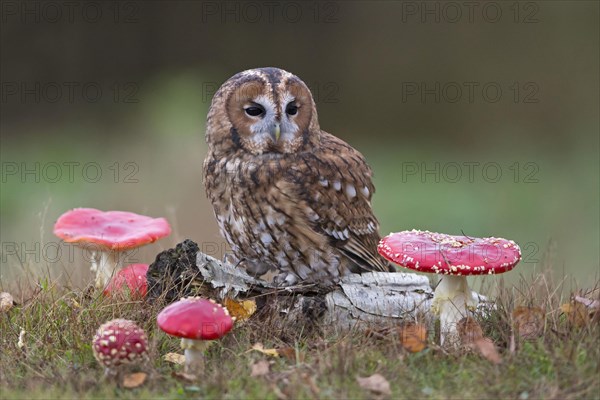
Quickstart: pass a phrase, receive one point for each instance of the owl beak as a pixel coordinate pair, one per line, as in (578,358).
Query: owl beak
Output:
(276,132)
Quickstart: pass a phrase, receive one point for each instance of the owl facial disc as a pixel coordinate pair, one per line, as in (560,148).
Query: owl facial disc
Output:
(267,111)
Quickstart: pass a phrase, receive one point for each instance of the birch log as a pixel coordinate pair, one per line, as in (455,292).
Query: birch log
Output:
(373,297)
(357,300)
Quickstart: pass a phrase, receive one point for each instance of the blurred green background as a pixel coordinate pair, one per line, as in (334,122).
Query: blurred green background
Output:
(480,118)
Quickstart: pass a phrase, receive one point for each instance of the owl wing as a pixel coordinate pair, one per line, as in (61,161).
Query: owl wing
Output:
(333,188)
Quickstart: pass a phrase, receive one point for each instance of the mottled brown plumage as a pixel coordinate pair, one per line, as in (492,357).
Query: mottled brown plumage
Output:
(287,196)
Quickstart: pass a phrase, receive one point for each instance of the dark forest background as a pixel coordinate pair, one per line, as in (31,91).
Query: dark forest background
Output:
(477,117)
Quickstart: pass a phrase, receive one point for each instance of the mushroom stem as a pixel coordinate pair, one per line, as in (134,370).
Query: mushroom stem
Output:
(105,267)
(94,259)
(194,355)
(451,300)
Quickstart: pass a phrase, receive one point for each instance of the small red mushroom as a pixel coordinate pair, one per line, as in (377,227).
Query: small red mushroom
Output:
(132,278)
(110,233)
(195,320)
(119,342)
(453,257)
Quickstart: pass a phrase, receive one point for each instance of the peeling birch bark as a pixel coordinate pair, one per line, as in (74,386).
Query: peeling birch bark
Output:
(357,300)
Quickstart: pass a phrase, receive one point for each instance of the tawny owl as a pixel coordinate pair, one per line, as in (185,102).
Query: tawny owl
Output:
(288,196)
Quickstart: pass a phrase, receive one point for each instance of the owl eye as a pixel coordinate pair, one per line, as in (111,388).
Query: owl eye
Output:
(291,109)
(254,111)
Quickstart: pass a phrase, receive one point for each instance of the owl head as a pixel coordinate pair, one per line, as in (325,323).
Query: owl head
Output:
(263,110)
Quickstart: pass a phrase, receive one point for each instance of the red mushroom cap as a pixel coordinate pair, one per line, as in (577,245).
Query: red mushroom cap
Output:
(119,341)
(132,277)
(439,253)
(114,230)
(195,318)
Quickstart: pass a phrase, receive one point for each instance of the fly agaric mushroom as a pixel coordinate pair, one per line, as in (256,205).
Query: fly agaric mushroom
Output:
(195,320)
(132,278)
(454,257)
(119,342)
(110,233)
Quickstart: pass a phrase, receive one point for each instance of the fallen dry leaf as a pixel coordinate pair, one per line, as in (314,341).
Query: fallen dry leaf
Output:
(241,310)
(260,368)
(73,303)
(290,353)
(285,352)
(134,380)
(528,322)
(6,301)
(471,336)
(487,349)
(182,376)
(375,383)
(175,358)
(260,348)
(413,337)
(593,306)
(469,331)
(576,313)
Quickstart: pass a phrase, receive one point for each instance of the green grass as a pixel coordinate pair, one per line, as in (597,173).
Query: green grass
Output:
(57,360)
